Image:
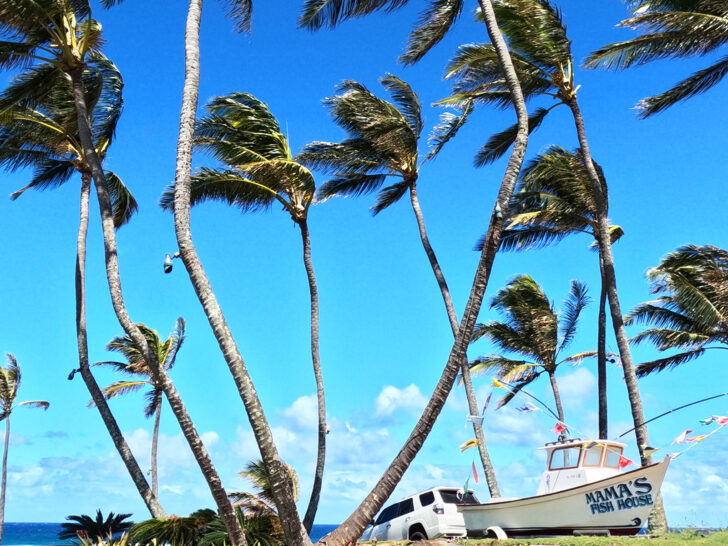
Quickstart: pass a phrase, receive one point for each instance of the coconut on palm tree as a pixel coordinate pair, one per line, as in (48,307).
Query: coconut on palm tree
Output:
(690,313)
(554,199)
(533,330)
(9,385)
(384,142)
(670,29)
(241,132)
(136,366)
(39,129)
(433,24)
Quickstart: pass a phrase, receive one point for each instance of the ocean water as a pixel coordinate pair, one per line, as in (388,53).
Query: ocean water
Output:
(46,534)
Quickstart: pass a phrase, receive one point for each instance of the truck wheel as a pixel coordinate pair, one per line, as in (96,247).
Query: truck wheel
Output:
(417,534)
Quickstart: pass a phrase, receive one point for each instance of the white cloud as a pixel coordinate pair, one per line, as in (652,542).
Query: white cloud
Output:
(303,413)
(392,399)
(510,427)
(577,387)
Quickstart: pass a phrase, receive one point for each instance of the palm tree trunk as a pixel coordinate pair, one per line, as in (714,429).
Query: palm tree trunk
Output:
(224,507)
(155,442)
(5,476)
(657,518)
(602,357)
(117,300)
(488,470)
(149,496)
(351,529)
(557,397)
(315,358)
(280,480)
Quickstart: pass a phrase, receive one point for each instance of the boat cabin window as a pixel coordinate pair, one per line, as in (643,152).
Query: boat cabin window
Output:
(593,456)
(564,457)
(613,455)
(426,499)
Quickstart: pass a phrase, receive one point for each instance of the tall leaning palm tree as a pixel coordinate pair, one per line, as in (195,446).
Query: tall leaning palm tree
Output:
(670,29)
(241,132)
(39,130)
(280,480)
(532,329)
(691,311)
(136,366)
(554,199)
(537,35)
(63,35)
(384,142)
(9,384)
(434,23)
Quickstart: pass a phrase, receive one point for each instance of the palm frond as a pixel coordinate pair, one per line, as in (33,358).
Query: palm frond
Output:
(498,144)
(446,130)
(698,83)
(434,22)
(227,186)
(570,311)
(350,185)
(120,388)
(666,338)
(389,195)
(669,362)
(317,14)
(350,156)
(406,100)
(42,404)
(241,13)
(123,204)
(577,358)
(535,29)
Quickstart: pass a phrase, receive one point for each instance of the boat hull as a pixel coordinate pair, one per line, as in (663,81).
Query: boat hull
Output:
(619,505)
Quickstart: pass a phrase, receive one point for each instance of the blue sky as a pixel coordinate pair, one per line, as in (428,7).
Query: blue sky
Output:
(384,331)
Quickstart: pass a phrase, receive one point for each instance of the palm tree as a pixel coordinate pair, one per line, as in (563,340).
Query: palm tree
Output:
(670,29)
(40,130)
(537,35)
(9,385)
(135,365)
(241,132)
(434,23)
(553,199)
(691,310)
(383,142)
(280,481)
(532,329)
(261,501)
(164,355)
(96,529)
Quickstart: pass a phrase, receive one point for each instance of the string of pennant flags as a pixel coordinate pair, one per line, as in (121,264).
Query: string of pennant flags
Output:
(560,427)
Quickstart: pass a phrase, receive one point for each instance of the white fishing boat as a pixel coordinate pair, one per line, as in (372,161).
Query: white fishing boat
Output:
(582,491)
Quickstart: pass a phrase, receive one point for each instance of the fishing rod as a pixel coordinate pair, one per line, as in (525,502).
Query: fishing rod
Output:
(674,410)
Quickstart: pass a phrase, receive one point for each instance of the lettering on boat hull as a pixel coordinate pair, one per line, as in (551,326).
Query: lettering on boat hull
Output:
(623,496)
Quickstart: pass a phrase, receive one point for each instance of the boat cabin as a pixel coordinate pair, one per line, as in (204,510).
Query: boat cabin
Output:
(574,462)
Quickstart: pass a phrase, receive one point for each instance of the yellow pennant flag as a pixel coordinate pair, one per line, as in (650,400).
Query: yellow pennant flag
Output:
(498,384)
(468,444)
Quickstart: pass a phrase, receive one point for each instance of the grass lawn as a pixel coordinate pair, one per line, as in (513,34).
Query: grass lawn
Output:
(689,536)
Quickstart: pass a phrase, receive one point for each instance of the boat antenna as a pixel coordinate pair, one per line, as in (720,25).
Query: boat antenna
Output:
(674,410)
